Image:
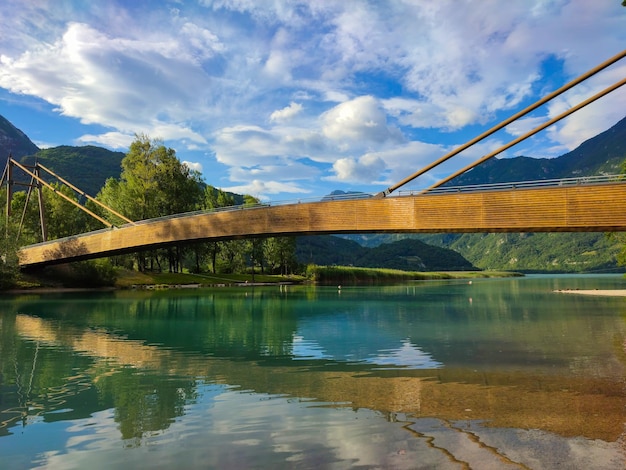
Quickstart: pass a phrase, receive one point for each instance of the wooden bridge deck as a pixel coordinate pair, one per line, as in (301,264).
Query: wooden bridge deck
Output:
(593,208)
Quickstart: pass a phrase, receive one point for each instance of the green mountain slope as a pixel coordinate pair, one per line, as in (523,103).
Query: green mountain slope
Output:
(86,167)
(536,252)
(601,155)
(406,254)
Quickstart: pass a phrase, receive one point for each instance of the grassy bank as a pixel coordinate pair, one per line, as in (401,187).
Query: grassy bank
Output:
(330,275)
(324,275)
(128,279)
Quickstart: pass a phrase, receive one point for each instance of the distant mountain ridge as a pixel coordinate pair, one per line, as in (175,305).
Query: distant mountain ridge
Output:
(406,255)
(601,155)
(87,167)
(14,142)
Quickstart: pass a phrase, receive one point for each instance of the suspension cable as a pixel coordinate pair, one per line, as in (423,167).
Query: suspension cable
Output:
(537,129)
(506,122)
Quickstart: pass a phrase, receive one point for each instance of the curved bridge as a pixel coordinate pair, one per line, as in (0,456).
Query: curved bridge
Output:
(533,207)
(568,206)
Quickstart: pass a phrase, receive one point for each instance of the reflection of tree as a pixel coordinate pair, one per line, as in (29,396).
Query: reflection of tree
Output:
(144,403)
(246,325)
(35,379)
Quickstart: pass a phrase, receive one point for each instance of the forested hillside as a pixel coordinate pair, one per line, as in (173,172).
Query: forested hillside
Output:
(406,254)
(86,167)
(536,252)
(601,155)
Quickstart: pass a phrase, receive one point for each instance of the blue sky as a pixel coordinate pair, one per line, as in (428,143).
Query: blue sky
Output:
(293,99)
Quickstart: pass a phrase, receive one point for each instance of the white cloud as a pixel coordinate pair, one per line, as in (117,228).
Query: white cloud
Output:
(358,120)
(116,82)
(367,169)
(116,140)
(193,166)
(362,78)
(592,119)
(261,189)
(286,113)
(524,125)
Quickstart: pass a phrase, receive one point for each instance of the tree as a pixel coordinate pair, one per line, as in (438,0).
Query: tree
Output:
(620,237)
(214,199)
(153,183)
(63,218)
(9,268)
(280,254)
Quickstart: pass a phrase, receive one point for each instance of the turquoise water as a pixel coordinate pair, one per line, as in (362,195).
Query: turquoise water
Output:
(498,373)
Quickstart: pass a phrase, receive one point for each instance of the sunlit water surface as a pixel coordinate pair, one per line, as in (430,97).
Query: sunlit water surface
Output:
(492,374)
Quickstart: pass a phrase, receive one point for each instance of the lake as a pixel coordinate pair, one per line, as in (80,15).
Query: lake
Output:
(487,374)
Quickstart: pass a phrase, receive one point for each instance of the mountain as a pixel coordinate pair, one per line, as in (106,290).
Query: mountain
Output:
(13,142)
(407,254)
(603,154)
(535,252)
(85,167)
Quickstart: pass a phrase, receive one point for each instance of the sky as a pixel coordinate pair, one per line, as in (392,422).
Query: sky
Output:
(288,100)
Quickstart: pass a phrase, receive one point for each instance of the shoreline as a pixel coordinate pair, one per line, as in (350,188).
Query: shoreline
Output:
(603,292)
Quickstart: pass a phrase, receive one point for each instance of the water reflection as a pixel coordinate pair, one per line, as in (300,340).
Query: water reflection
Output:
(516,370)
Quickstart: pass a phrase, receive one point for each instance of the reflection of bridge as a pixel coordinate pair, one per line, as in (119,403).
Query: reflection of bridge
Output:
(566,205)
(563,404)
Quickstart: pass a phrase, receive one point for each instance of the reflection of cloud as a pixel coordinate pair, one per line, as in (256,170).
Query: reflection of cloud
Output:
(272,431)
(406,356)
(306,349)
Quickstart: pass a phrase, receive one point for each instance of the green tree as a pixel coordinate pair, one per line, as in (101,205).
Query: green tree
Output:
(619,236)
(280,254)
(9,268)
(153,183)
(214,199)
(63,218)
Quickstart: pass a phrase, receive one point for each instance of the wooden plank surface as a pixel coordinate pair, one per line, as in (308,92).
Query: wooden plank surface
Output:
(594,208)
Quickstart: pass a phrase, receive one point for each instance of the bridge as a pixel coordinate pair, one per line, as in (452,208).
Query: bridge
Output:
(595,204)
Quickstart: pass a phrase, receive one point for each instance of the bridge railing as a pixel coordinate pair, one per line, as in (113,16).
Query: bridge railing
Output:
(582,180)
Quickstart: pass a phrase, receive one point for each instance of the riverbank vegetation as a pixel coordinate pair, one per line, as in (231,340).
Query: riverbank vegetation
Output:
(102,275)
(348,275)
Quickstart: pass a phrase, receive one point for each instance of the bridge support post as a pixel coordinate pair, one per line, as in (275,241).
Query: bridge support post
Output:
(42,213)
(7,175)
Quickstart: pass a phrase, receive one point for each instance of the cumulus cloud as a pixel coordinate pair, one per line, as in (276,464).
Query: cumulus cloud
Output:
(366,169)
(368,83)
(195,166)
(286,113)
(361,119)
(592,119)
(121,83)
(261,189)
(116,140)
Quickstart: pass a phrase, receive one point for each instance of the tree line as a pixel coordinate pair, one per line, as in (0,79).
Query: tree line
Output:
(153,183)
